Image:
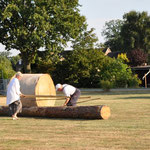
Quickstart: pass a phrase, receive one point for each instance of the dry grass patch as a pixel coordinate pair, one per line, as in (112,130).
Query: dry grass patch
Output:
(128,128)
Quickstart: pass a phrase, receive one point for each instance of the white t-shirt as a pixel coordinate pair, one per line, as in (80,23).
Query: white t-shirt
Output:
(13,91)
(68,90)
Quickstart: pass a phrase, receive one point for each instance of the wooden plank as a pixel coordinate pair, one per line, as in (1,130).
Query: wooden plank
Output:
(88,100)
(52,96)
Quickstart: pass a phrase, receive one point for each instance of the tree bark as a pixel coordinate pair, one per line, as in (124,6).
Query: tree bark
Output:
(27,67)
(78,112)
(26,63)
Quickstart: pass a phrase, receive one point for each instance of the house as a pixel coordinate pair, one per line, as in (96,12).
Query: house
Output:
(143,73)
(108,52)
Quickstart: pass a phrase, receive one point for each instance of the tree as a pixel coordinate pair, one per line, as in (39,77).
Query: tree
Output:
(6,70)
(45,62)
(29,25)
(111,32)
(135,31)
(5,54)
(75,67)
(14,60)
(85,40)
(123,58)
(84,67)
(137,57)
(88,67)
(118,73)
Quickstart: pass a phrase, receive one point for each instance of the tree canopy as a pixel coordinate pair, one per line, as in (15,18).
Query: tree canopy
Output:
(6,70)
(87,68)
(28,25)
(111,32)
(137,57)
(133,32)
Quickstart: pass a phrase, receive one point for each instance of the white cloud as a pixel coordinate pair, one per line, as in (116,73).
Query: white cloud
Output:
(13,51)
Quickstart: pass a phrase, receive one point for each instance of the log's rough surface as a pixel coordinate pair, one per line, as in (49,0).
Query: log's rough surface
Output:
(81,112)
(37,84)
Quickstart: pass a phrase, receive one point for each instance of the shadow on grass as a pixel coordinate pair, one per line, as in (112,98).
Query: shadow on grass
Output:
(22,118)
(135,98)
(113,92)
(5,118)
(62,119)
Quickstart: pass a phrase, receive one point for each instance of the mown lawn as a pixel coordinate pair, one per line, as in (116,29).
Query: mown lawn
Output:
(128,128)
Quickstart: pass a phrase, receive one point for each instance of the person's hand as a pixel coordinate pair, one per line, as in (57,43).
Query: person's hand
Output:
(22,95)
(64,104)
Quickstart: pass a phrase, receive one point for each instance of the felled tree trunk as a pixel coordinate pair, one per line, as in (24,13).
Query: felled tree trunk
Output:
(81,112)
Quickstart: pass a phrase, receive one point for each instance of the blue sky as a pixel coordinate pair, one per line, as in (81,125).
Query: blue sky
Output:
(97,12)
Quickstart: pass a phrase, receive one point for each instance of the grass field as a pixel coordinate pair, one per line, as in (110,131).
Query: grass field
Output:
(128,128)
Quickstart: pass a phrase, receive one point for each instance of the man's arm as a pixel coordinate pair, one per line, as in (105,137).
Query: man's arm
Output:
(67,100)
(17,87)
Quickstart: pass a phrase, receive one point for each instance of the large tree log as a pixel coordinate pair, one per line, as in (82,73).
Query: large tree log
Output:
(82,112)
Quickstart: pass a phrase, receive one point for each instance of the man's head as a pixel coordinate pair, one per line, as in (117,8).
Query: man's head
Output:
(19,75)
(58,87)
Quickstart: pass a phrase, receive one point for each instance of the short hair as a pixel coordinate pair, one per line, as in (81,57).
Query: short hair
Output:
(19,74)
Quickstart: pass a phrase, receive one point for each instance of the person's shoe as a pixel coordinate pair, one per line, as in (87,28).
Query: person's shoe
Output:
(17,118)
(14,118)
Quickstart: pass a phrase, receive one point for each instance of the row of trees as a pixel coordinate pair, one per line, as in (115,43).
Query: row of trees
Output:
(130,34)
(30,25)
(87,66)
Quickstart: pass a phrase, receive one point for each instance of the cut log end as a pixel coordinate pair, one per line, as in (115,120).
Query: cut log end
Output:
(37,84)
(105,112)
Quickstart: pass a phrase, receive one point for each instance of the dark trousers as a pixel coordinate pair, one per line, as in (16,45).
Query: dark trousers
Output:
(74,98)
(15,107)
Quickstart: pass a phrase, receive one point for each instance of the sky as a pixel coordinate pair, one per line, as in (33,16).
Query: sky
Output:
(98,12)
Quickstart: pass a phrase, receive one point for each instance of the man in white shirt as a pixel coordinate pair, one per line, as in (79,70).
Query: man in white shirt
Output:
(13,96)
(72,94)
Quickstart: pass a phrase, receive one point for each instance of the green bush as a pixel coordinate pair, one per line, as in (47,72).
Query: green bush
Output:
(134,81)
(6,70)
(106,85)
(87,68)
(119,74)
